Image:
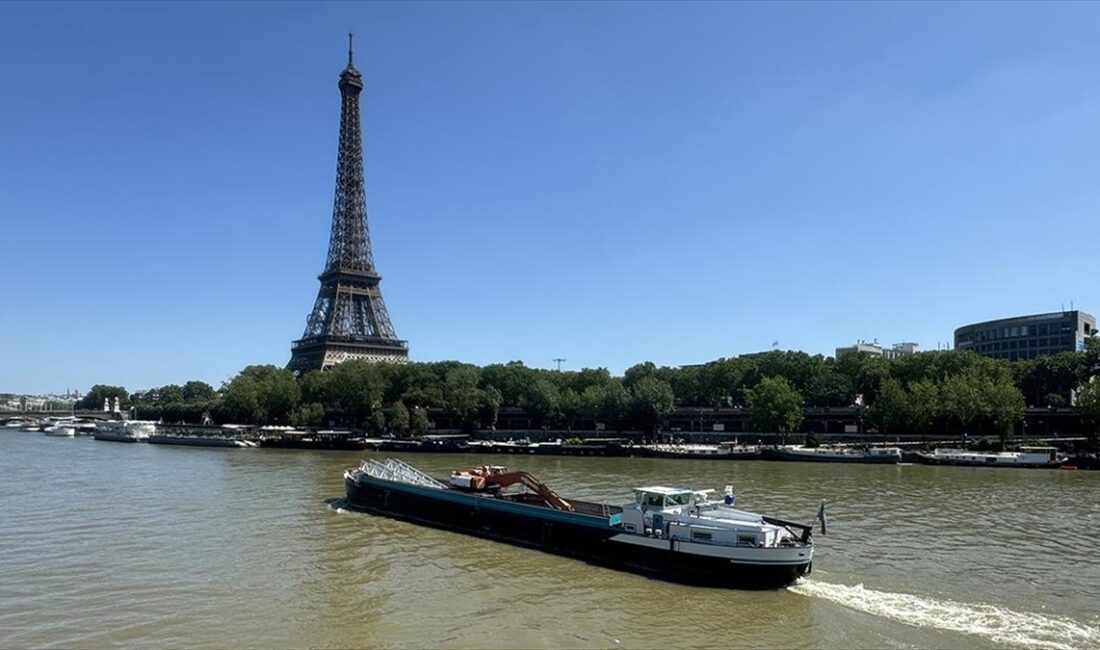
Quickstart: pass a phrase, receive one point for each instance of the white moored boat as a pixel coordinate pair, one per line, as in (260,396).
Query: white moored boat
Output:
(725,450)
(60,431)
(125,430)
(1042,457)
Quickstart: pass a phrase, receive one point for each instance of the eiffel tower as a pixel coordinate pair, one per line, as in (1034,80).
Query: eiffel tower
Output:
(349,320)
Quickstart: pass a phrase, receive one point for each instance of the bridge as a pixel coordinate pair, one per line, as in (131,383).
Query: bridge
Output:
(86,414)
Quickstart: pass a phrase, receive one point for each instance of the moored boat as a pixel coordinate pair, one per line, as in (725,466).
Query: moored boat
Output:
(584,447)
(723,451)
(197,440)
(290,438)
(872,455)
(226,435)
(670,533)
(125,430)
(84,428)
(1027,457)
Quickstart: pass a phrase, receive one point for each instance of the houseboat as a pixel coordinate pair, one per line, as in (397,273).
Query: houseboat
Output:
(873,455)
(723,451)
(125,430)
(1031,457)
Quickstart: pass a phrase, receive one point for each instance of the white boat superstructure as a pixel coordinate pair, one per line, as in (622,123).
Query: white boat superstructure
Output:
(689,521)
(125,430)
(60,431)
(695,450)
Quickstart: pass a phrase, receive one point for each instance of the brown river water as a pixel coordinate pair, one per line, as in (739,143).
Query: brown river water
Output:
(107,544)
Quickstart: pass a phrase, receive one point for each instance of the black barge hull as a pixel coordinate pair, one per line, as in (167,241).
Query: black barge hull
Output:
(561,533)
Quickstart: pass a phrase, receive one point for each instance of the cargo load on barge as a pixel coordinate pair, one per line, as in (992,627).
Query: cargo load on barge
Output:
(669,533)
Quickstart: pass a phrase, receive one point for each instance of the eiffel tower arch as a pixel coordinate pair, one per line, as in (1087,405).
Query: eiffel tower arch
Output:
(349,318)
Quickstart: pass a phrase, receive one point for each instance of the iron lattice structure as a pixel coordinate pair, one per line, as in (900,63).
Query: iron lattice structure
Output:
(349,319)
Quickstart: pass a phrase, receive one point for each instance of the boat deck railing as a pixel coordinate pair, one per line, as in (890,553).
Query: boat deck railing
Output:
(392,469)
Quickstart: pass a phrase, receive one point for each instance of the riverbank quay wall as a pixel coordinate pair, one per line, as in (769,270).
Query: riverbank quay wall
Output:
(722,424)
(699,425)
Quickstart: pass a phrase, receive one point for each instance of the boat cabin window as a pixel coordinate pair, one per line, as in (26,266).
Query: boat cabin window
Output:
(662,500)
(681,499)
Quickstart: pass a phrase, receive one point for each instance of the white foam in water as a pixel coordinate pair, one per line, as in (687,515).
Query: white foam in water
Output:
(997,623)
(337,506)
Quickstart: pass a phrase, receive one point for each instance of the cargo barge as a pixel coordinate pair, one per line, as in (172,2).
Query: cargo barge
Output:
(668,533)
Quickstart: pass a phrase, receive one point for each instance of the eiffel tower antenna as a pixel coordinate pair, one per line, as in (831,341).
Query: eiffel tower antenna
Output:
(349,318)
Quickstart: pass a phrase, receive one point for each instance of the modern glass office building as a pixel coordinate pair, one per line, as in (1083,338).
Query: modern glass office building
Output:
(1027,337)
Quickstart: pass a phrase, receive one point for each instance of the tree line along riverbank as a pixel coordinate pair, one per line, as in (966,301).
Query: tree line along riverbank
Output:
(946,392)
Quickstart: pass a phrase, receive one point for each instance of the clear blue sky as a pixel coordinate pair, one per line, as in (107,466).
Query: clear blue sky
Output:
(609,183)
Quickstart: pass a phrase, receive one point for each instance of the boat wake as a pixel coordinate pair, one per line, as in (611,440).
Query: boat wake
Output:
(999,624)
(340,506)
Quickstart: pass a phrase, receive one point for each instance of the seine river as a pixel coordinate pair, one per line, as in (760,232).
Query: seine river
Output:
(107,544)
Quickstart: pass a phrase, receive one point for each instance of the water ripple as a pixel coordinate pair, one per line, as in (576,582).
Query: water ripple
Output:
(109,545)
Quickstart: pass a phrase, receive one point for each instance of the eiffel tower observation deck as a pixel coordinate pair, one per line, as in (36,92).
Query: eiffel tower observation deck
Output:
(349,319)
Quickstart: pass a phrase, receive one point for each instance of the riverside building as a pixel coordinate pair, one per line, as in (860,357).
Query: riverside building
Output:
(1027,337)
(893,352)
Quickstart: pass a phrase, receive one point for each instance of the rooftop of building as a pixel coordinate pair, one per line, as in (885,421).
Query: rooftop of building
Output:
(1055,315)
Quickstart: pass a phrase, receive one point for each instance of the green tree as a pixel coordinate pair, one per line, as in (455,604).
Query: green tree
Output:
(461,395)
(491,399)
(569,408)
(542,400)
(651,402)
(864,374)
(890,412)
(315,387)
(356,388)
(607,403)
(377,422)
(511,379)
(1088,409)
(240,401)
(774,405)
(93,400)
(1090,360)
(962,398)
(197,391)
(581,380)
(261,395)
(637,372)
(170,393)
(423,386)
(399,419)
(924,405)
(1048,381)
(420,423)
(1004,406)
(310,414)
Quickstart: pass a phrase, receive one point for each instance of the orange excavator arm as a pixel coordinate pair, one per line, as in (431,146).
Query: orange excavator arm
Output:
(551,497)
